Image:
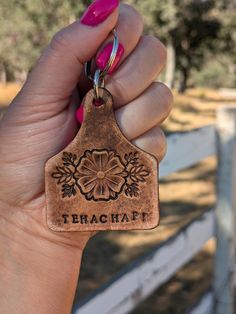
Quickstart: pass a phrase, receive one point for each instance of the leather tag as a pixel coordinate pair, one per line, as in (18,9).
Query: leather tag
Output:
(101,181)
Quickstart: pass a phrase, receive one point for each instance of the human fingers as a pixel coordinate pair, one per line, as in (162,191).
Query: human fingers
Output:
(146,111)
(129,29)
(56,74)
(40,122)
(138,71)
(153,142)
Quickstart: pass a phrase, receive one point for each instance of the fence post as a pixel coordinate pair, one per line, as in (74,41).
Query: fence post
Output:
(225,212)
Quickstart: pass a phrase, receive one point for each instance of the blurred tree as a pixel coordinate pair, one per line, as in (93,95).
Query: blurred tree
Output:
(193,31)
(188,28)
(195,36)
(27,26)
(227,39)
(13,42)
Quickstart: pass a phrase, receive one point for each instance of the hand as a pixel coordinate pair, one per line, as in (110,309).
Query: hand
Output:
(40,122)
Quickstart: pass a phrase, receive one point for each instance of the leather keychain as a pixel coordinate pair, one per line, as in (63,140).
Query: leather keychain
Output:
(101,181)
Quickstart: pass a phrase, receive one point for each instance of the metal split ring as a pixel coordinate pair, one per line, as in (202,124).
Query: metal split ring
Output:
(98,81)
(99,76)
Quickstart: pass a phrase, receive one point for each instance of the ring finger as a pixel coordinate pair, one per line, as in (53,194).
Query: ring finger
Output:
(145,112)
(153,142)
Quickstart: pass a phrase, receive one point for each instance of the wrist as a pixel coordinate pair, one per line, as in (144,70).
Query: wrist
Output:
(38,267)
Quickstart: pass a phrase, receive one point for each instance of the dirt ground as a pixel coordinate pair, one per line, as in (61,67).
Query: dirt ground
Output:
(183,196)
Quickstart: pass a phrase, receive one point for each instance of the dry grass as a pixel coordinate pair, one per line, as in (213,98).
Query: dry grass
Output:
(7,93)
(183,196)
(184,288)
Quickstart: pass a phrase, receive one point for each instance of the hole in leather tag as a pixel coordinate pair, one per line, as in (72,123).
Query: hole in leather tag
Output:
(98,102)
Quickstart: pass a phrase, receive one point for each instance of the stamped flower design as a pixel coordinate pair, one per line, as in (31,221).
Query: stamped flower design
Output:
(100,175)
(137,173)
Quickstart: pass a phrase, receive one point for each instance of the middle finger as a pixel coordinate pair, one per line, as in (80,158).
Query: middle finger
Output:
(138,71)
(145,112)
(129,29)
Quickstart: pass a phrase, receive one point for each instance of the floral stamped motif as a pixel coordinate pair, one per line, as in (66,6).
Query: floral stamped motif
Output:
(136,173)
(65,174)
(100,175)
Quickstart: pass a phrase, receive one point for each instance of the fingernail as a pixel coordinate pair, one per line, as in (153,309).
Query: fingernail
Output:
(98,11)
(104,55)
(80,114)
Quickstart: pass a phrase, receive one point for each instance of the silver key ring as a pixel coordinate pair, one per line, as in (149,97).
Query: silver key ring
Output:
(99,76)
(98,82)
(113,54)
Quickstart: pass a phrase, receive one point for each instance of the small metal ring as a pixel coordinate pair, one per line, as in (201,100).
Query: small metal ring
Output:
(87,70)
(110,62)
(98,82)
(112,55)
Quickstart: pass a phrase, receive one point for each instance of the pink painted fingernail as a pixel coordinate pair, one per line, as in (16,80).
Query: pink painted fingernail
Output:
(98,11)
(80,114)
(104,56)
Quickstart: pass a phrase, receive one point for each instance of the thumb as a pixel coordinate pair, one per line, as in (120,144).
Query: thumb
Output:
(36,125)
(58,70)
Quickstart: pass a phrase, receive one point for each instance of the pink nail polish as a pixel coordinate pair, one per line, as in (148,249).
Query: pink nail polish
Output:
(80,114)
(104,56)
(98,11)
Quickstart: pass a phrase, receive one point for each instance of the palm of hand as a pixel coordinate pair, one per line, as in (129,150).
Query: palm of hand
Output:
(27,141)
(40,122)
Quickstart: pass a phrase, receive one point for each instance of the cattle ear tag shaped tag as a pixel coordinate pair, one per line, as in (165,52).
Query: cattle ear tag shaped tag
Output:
(101,181)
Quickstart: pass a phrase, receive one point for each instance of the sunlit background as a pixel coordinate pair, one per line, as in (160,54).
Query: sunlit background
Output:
(200,36)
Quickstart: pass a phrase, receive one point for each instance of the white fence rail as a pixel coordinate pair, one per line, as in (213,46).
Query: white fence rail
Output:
(133,285)
(187,149)
(205,304)
(124,292)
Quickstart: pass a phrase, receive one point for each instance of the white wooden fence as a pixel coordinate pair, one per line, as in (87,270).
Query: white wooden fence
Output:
(138,280)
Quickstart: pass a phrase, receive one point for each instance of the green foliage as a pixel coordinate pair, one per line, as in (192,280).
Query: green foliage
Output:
(197,31)
(27,26)
(214,74)
(226,44)
(190,26)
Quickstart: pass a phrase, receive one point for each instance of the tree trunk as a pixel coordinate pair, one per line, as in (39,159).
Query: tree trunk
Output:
(232,71)
(7,74)
(171,63)
(183,80)
(3,77)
